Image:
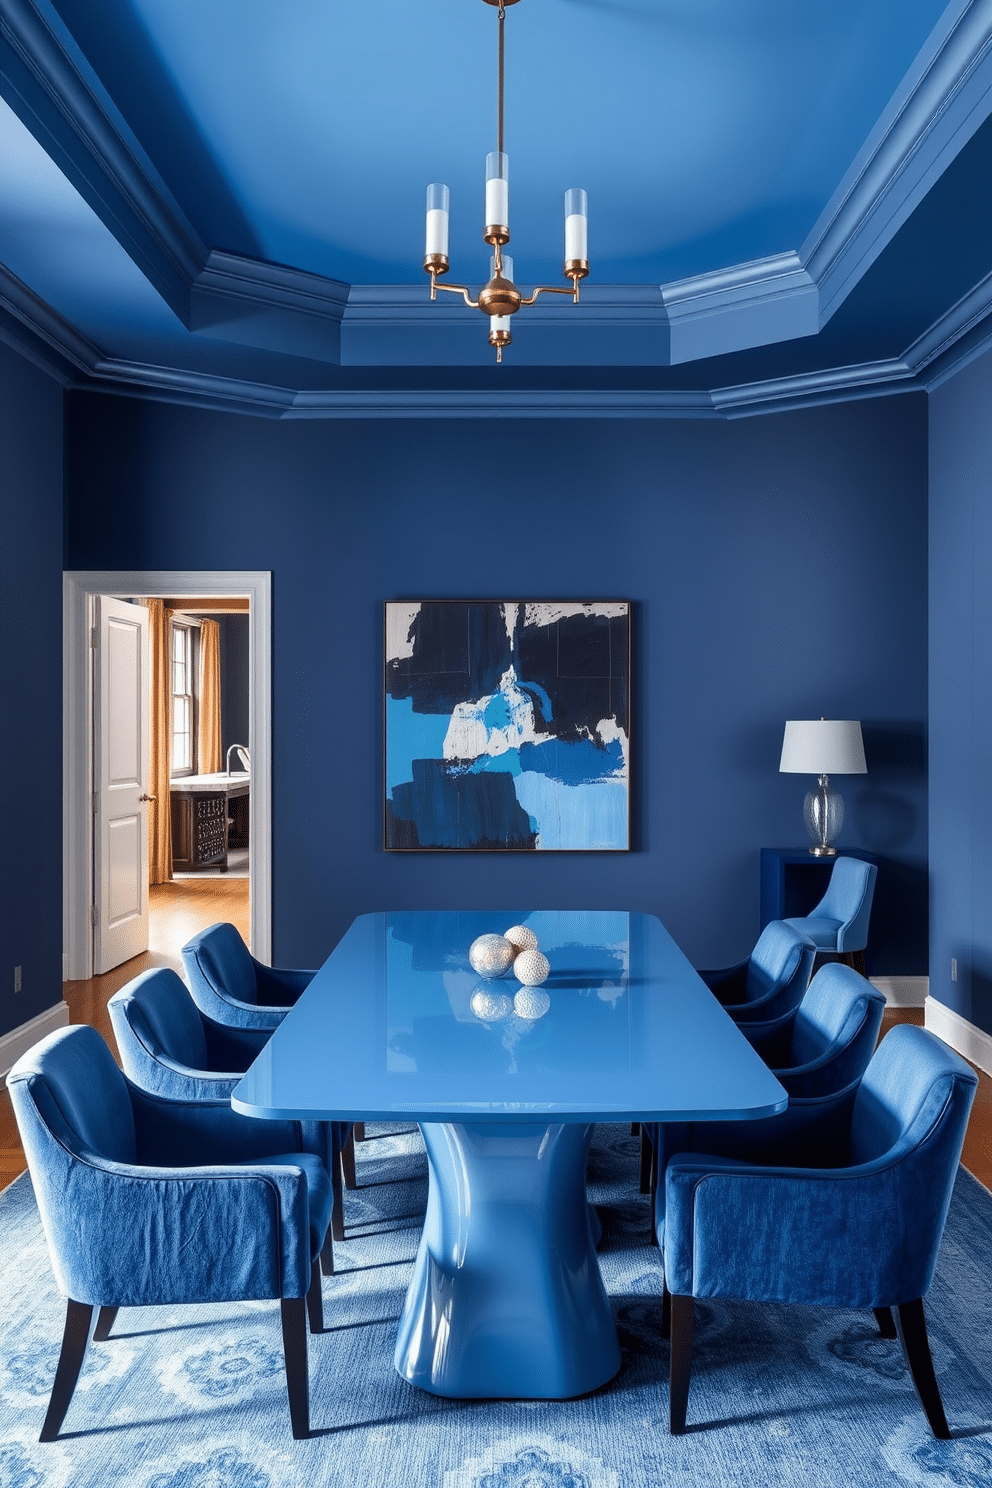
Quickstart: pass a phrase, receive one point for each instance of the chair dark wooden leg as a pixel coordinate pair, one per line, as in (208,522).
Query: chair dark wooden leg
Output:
(294,1344)
(666,1311)
(635,1128)
(916,1347)
(348,1161)
(315,1300)
(359,1131)
(647,1161)
(886,1322)
(104,1323)
(681,1364)
(75,1337)
(336,1231)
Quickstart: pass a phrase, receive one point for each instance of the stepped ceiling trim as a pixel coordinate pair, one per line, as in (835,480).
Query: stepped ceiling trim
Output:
(944,98)
(50,85)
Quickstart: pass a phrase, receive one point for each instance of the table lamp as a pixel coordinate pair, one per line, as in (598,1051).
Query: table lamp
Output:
(823,747)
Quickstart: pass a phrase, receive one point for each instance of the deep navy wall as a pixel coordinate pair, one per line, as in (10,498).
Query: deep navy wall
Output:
(961,692)
(234,687)
(777,565)
(31,736)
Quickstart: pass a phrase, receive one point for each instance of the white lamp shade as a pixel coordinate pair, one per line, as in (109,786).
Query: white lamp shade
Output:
(823,746)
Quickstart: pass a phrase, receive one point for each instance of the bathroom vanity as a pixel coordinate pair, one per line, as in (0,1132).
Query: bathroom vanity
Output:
(202,806)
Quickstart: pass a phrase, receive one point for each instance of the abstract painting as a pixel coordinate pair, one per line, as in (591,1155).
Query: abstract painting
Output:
(508,726)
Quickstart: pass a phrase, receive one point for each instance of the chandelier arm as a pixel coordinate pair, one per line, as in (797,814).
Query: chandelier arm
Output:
(549,289)
(455,289)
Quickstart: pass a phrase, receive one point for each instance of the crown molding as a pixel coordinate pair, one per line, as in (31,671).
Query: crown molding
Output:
(269,305)
(49,84)
(30,325)
(751,304)
(942,100)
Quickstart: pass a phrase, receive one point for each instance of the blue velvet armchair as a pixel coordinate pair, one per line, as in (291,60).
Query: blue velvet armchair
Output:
(169,1047)
(831,1038)
(231,987)
(818,1054)
(860,1231)
(839,923)
(771,982)
(149,1202)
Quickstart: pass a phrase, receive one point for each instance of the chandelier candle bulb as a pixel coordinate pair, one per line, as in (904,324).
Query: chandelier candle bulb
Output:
(576,227)
(438,201)
(497,197)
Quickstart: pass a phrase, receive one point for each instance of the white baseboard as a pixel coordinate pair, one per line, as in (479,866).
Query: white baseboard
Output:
(969,1041)
(19,1040)
(903,991)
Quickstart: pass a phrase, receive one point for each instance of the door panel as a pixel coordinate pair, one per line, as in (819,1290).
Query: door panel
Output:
(120,754)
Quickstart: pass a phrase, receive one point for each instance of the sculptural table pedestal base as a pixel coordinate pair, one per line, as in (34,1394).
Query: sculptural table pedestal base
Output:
(506,1299)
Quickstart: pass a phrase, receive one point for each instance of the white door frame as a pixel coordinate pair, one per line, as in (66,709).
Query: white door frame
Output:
(78,589)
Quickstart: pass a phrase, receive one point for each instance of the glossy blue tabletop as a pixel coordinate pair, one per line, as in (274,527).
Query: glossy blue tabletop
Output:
(385,1031)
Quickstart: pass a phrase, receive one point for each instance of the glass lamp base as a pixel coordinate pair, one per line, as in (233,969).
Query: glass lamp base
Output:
(823,813)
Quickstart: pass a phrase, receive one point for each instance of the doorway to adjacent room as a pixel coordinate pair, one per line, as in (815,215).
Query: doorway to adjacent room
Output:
(106,744)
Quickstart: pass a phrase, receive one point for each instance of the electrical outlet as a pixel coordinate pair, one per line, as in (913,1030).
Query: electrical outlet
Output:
(954,968)
(17,979)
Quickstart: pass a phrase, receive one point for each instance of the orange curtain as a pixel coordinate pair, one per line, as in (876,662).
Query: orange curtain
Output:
(160,810)
(209,744)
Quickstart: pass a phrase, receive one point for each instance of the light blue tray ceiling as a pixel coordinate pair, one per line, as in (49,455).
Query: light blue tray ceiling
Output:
(196,192)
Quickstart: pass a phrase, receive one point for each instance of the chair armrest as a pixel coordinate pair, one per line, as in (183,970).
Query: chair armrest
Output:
(836,1237)
(123,1235)
(179,1133)
(250,1015)
(180,1082)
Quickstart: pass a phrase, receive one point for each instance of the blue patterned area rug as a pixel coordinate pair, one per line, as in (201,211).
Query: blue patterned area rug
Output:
(195,1397)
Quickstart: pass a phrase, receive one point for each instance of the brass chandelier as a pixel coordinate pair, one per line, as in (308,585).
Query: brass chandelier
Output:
(500,298)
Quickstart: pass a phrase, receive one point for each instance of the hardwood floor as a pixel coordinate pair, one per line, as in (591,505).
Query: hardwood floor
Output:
(181,908)
(177,911)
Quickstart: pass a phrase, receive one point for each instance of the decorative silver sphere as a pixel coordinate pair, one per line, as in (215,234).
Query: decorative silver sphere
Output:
(522,937)
(531,1002)
(491,955)
(491,1007)
(531,968)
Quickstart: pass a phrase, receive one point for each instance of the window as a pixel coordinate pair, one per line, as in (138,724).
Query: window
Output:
(183,711)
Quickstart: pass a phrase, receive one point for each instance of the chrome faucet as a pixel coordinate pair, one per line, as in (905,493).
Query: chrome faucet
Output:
(245,756)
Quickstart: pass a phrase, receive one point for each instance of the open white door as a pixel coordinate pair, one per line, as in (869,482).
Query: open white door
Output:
(120,782)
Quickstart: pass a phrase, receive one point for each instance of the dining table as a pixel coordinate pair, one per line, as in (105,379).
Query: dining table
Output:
(507,1083)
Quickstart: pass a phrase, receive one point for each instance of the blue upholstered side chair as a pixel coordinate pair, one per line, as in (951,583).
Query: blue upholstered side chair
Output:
(861,1229)
(829,1041)
(839,923)
(231,987)
(771,982)
(170,1048)
(154,1202)
(819,1054)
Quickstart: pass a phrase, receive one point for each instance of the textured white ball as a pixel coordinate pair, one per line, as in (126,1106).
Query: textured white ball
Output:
(531,1002)
(521,937)
(491,955)
(531,968)
(491,1007)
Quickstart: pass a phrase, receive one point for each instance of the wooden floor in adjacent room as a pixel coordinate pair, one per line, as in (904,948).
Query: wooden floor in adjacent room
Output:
(176,911)
(181,908)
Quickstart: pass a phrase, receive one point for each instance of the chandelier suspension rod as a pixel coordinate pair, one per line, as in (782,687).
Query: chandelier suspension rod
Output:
(499,111)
